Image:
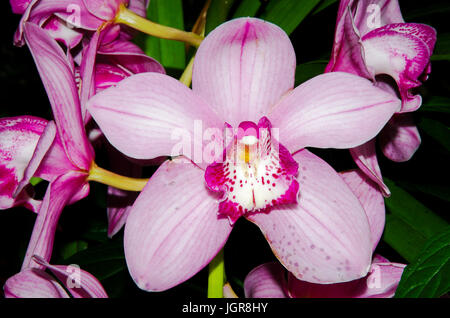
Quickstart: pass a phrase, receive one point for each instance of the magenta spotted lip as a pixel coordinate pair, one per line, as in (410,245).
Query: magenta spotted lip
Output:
(256,174)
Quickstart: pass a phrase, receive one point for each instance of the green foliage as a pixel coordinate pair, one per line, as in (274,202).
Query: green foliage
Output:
(429,274)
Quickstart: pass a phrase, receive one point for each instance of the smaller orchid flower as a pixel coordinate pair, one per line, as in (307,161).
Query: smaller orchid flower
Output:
(373,41)
(68,281)
(70,20)
(67,158)
(242,85)
(269,280)
(18,139)
(63,154)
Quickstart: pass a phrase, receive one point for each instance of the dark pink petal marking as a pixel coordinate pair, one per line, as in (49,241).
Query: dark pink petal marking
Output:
(257,172)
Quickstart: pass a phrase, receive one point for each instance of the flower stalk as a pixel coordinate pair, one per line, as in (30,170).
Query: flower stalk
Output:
(216,276)
(135,21)
(115,180)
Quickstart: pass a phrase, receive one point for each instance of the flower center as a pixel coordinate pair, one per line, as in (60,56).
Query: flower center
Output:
(256,174)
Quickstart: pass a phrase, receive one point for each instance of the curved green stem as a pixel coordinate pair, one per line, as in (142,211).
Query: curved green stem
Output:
(117,181)
(216,277)
(128,17)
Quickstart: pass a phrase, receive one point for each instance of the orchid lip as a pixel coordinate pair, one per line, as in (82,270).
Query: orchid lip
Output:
(256,174)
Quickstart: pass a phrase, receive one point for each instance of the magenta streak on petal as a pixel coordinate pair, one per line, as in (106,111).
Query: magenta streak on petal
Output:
(257,173)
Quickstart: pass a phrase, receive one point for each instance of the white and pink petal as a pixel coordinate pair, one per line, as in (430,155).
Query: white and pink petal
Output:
(166,228)
(325,238)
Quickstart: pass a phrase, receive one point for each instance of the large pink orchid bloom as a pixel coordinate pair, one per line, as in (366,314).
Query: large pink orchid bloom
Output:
(37,283)
(269,280)
(243,76)
(372,40)
(66,19)
(63,154)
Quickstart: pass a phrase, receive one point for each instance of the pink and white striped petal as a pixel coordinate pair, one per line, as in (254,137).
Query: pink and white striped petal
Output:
(19,137)
(348,55)
(401,50)
(33,283)
(242,69)
(400,139)
(173,229)
(381,282)
(331,111)
(325,238)
(365,157)
(59,81)
(162,117)
(59,193)
(371,199)
(78,282)
(266,281)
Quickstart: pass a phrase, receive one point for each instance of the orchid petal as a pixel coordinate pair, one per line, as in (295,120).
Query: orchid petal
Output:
(348,55)
(402,51)
(173,230)
(371,199)
(87,74)
(365,158)
(59,30)
(325,238)
(73,12)
(42,147)
(156,111)
(243,67)
(105,10)
(381,282)
(58,194)
(119,202)
(49,160)
(18,139)
(80,283)
(139,7)
(59,82)
(400,139)
(19,6)
(130,57)
(33,283)
(371,14)
(331,111)
(266,281)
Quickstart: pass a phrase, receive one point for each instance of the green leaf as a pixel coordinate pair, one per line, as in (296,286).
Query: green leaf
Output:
(409,223)
(441,50)
(247,8)
(288,14)
(171,54)
(438,104)
(402,237)
(217,13)
(308,70)
(432,8)
(429,275)
(35,180)
(102,261)
(436,130)
(73,247)
(413,212)
(323,5)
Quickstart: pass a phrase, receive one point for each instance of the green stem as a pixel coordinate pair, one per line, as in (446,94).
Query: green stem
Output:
(216,277)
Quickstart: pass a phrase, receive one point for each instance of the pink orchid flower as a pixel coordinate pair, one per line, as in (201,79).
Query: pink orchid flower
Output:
(373,41)
(243,76)
(18,139)
(36,283)
(269,280)
(63,152)
(66,20)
